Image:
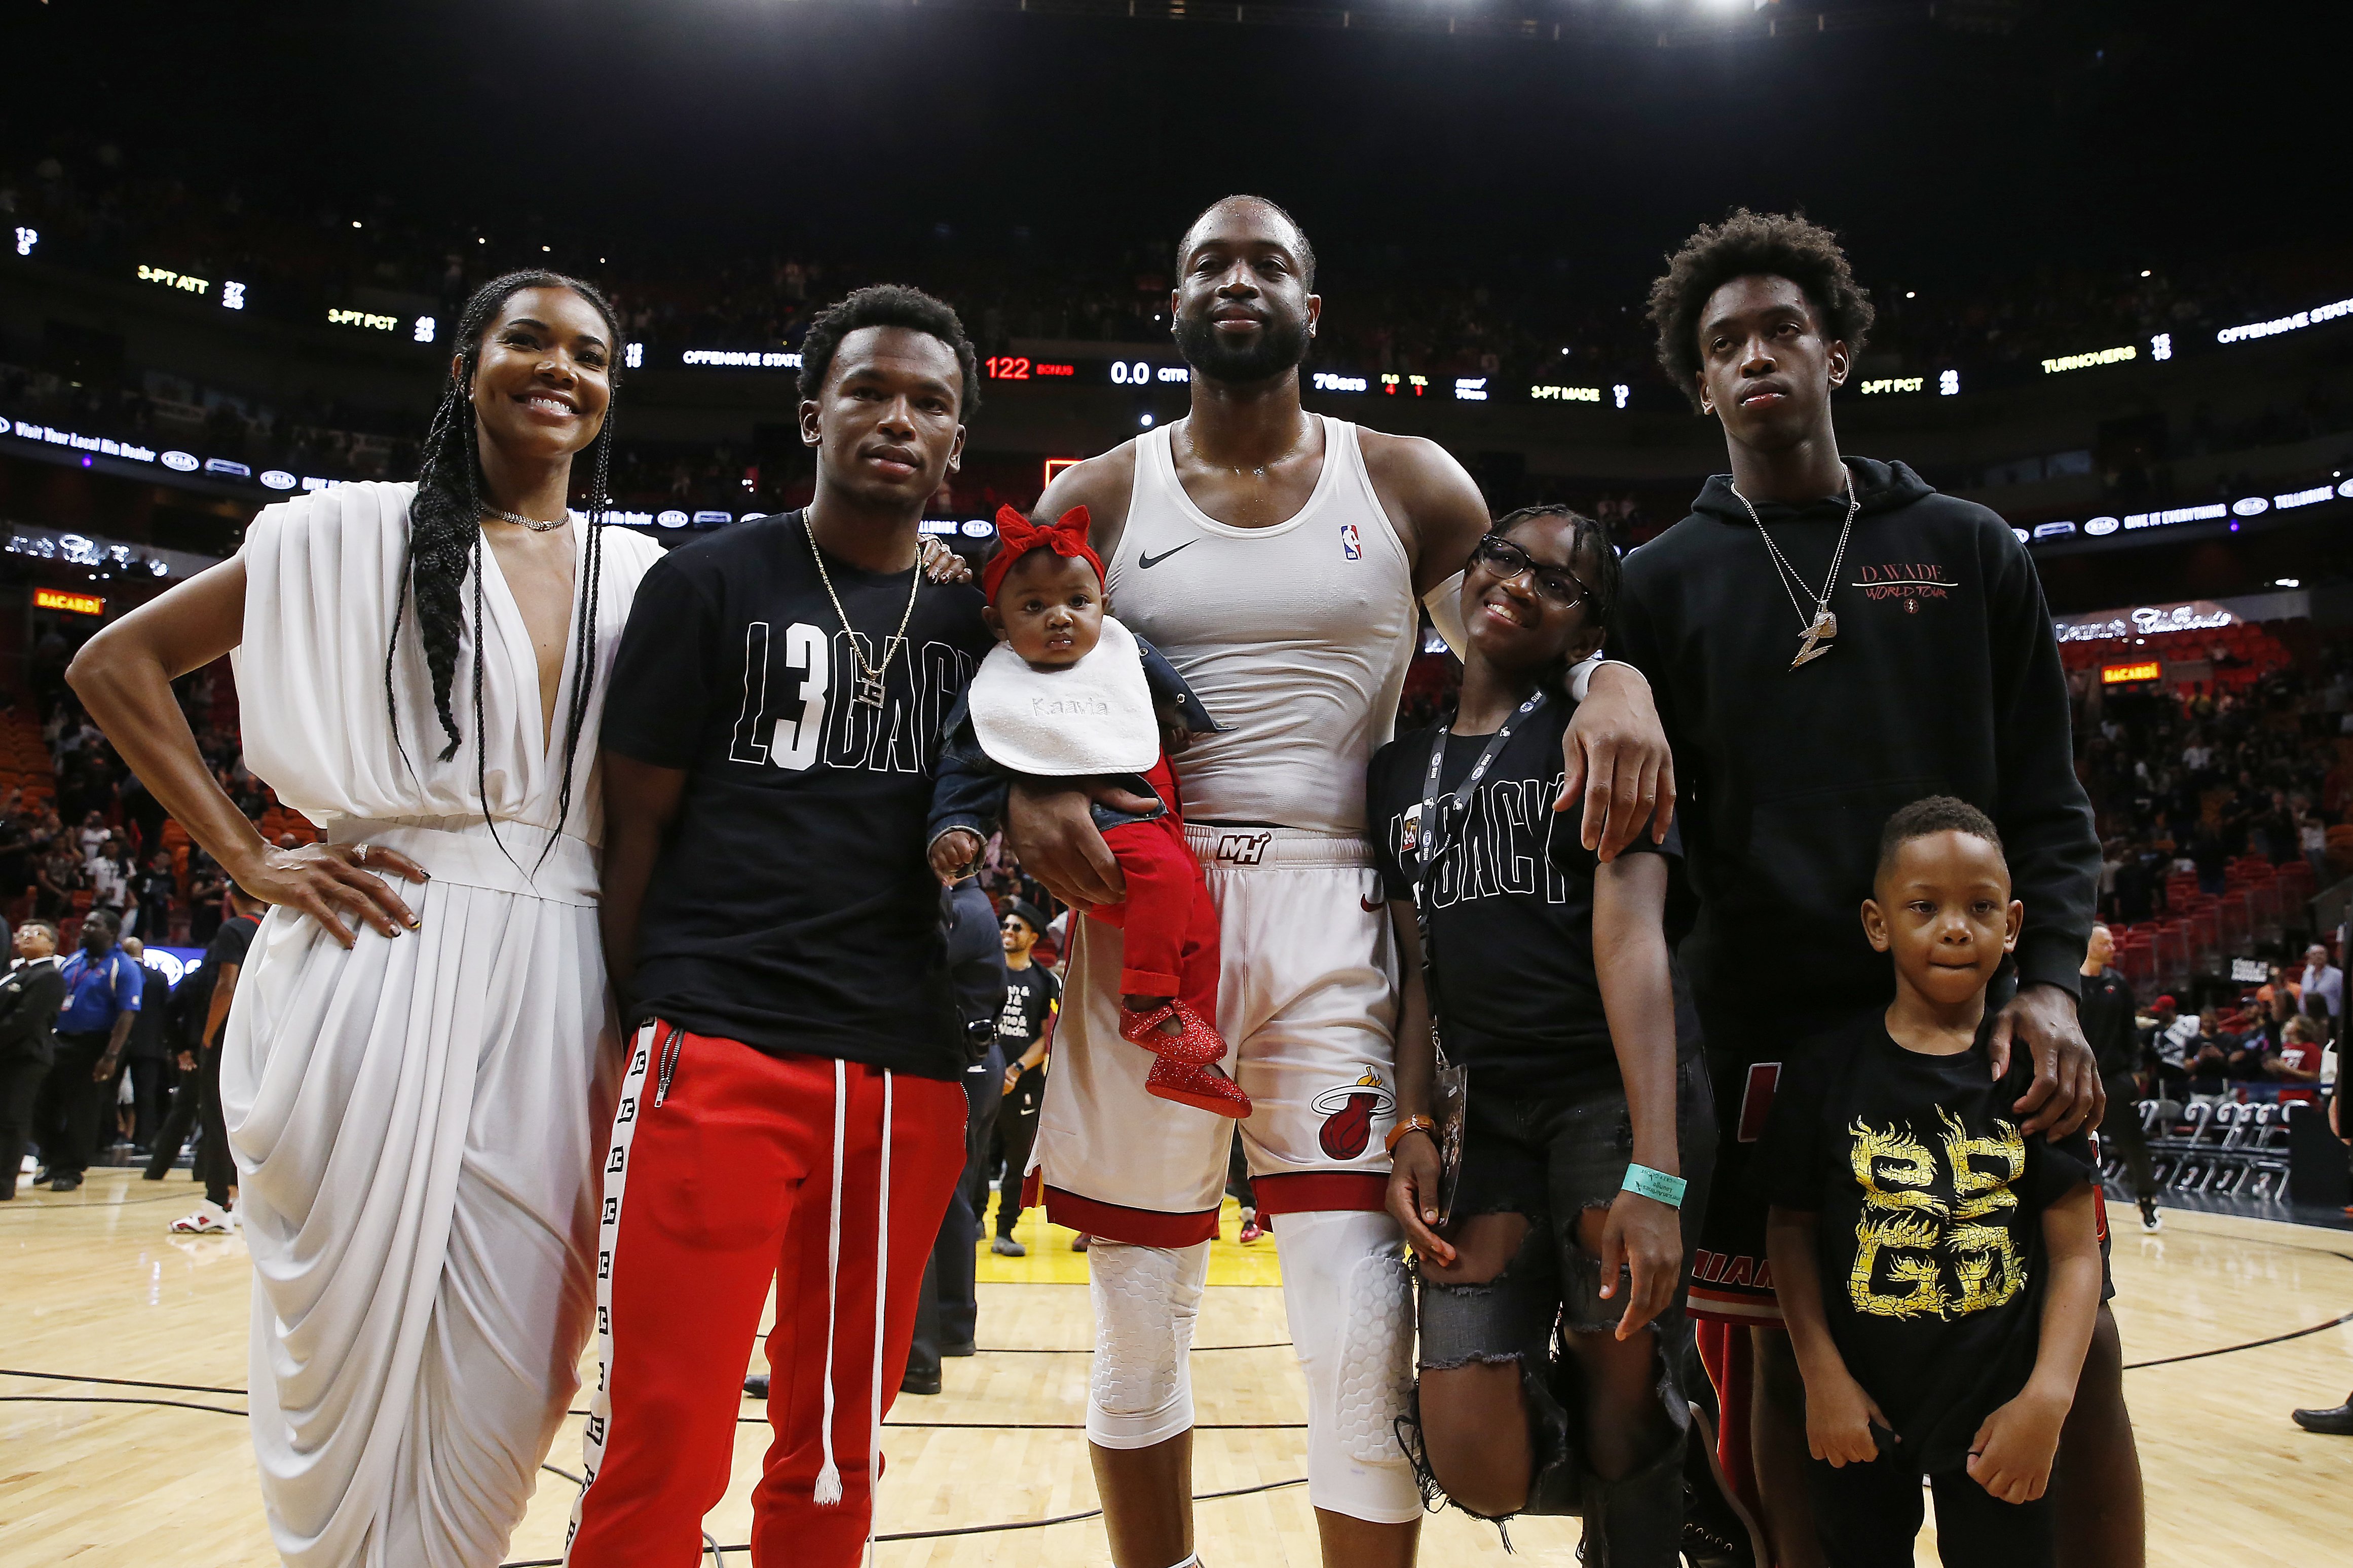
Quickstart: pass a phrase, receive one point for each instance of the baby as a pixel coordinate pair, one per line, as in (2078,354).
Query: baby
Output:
(1070,693)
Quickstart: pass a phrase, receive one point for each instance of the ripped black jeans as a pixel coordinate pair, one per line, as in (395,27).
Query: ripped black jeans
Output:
(1551,1159)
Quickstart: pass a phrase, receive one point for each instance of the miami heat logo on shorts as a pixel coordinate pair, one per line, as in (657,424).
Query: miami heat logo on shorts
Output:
(1348,1110)
(1352,544)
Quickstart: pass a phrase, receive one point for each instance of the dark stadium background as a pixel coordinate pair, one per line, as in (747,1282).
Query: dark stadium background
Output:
(1483,179)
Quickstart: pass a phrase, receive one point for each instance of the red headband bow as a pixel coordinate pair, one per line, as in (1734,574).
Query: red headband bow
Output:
(1017,536)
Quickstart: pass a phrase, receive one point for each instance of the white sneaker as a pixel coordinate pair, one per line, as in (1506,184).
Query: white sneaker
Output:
(210,1219)
(29,1167)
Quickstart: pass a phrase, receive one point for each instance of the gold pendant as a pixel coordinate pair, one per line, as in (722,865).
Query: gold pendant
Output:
(1816,641)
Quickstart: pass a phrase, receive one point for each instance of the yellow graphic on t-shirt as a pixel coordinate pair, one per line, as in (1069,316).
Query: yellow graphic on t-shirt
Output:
(1985,1259)
(1907,1234)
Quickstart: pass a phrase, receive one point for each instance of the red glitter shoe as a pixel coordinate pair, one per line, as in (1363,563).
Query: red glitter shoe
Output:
(1202,1086)
(1199,1044)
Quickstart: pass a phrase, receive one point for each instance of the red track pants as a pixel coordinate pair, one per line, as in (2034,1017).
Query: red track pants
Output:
(721,1178)
(1169,925)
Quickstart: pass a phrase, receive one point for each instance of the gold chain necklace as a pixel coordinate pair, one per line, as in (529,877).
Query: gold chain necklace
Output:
(869,676)
(533,523)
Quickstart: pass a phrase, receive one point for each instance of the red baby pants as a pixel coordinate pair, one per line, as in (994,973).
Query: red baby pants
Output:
(715,1185)
(1170,947)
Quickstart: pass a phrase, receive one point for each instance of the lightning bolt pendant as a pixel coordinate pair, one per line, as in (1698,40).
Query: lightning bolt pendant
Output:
(1816,640)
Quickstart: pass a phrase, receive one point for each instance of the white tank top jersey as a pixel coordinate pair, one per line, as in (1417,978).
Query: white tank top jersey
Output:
(1296,637)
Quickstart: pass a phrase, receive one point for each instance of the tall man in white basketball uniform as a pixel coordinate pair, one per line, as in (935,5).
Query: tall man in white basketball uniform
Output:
(1276,557)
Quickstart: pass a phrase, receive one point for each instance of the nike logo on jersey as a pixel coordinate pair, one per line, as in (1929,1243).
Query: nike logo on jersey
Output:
(1370,906)
(1146,561)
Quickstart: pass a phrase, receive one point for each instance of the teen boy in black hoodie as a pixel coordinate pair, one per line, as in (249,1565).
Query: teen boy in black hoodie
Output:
(1828,639)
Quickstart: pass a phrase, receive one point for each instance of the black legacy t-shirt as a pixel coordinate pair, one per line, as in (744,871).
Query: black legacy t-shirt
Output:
(1511,911)
(1930,1235)
(792,907)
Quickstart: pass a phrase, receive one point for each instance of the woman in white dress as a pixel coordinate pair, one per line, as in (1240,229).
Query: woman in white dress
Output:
(417,1073)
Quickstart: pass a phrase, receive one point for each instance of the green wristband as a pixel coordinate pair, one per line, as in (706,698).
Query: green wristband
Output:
(1644,1182)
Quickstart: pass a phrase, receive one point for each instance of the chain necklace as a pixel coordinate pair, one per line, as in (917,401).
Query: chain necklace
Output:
(869,676)
(533,523)
(1819,627)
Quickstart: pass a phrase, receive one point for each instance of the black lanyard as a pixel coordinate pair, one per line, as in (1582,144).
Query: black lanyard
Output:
(1434,827)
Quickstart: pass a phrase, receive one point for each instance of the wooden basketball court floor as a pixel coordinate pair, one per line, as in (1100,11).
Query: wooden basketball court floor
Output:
(135,1470)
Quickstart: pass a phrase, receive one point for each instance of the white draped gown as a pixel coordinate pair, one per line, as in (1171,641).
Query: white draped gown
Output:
(418,1123)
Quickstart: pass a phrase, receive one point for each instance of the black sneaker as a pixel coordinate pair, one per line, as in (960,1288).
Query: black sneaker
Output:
(920,1382)
(756,1385)
(1717,1530)
(2336,1423)
(2150,1220)
(64,1182)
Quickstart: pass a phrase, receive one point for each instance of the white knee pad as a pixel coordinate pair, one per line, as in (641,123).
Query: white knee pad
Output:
(1146,1300)
(1350,1303)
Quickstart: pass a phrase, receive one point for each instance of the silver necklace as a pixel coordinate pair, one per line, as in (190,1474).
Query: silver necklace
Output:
(869,676)
(533,523)
(1819,627)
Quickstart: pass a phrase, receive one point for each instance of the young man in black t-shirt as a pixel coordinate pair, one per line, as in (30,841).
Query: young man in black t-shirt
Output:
(1025,1030)
(1938,1266)
(794,1105)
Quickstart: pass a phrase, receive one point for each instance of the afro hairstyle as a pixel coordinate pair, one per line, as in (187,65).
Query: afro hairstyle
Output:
(1749,244)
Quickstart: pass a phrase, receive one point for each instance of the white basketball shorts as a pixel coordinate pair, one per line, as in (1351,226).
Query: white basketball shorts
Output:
(1307,1003)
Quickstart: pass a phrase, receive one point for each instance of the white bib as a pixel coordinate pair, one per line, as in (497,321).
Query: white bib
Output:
(1094,716)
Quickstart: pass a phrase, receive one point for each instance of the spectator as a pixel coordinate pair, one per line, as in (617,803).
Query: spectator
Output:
(30,997)
(147,1059)
(57,878)
(2174,1032)
(947,1313)
(2207,1057)
(207,885)
(2106,1011)
(2323,986)
(2296,1066)
(153,893)
(104,989)
(224,960)
(109,872)
(1025,1028)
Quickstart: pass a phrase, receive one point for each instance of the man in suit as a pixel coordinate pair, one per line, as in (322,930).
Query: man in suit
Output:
(30,995)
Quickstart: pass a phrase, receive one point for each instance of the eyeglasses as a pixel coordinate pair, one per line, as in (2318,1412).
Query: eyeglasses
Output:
(1556,584)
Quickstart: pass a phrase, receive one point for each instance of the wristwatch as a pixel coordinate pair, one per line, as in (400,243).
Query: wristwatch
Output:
(1411,1124)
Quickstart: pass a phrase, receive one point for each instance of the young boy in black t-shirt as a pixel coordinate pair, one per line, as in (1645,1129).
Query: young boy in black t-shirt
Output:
(1939,1271)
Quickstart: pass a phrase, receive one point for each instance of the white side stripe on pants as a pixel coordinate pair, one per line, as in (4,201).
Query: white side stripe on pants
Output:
(608,1234)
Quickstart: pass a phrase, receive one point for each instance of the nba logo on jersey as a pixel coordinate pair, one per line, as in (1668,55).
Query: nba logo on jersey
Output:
(1351,544)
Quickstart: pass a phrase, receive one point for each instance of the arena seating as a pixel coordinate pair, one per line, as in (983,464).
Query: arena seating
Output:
(2242,653)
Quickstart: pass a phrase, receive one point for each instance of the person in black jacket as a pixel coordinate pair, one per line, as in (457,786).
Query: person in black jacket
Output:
(1827,640)
(148,1057)
(2109,1017)
(30,995)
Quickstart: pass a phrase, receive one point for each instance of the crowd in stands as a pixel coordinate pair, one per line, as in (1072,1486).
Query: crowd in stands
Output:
(78,832)
(2224,805)
(97,207)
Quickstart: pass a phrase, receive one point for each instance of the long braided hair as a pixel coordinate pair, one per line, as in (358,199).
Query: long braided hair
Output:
(446,545)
